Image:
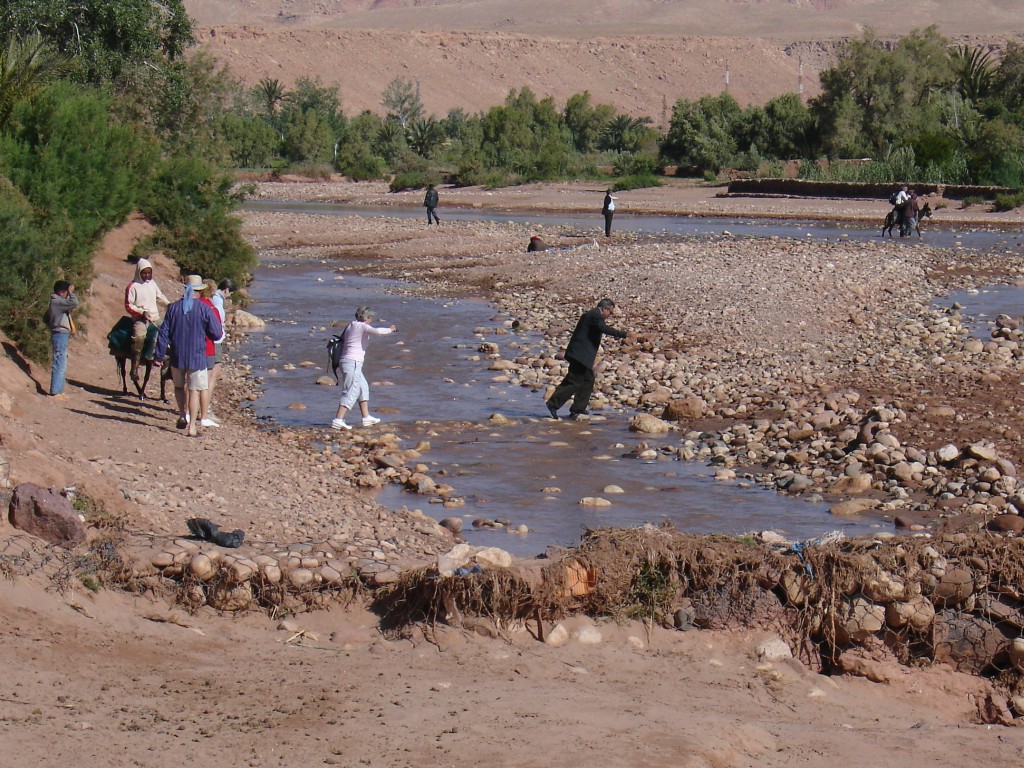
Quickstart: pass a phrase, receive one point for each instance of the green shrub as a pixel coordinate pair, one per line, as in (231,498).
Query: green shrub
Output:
(639,181)
(1008,202)
(192,204)
(68,173)
(970,200)
(710,176)
(410,180)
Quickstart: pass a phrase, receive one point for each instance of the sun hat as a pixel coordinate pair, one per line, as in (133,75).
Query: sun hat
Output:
(195,282)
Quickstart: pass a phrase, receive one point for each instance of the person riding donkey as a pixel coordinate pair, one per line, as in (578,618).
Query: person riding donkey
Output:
(899,199)
(142,300)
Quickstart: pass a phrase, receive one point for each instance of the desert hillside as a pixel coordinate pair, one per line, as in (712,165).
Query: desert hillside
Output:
(639,55)
(783,20)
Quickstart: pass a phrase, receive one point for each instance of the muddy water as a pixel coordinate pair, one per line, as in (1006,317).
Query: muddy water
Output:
(426,386)
(981,307)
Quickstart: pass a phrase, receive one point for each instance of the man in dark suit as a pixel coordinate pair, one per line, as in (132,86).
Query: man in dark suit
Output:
(581,353)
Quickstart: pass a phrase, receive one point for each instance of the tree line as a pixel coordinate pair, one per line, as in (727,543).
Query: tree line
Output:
(921,109)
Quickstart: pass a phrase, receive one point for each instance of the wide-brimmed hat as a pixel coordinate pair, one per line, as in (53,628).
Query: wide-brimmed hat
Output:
(195,282)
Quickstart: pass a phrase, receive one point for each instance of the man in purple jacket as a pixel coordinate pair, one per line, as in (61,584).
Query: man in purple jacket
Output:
(187,325)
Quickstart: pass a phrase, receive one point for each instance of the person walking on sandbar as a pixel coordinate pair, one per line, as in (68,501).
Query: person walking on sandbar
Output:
(430,203)
(581,354)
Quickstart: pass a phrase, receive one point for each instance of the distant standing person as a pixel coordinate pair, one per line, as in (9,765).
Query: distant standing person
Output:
(608,209)
(186,328)
(430,203)
(581,353)
(58,318)
(353,354)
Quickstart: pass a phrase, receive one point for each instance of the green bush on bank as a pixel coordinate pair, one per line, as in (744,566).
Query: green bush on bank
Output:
(192,204)
(1008,202)
(68,174)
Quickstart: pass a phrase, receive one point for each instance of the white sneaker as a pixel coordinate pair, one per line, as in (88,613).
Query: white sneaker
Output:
(340,424)
(208,422)
(369,421)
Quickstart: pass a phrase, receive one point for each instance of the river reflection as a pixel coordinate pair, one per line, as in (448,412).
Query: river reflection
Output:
(534,471)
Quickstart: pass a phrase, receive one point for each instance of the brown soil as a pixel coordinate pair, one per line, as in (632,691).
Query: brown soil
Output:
(638,55)
(107,678)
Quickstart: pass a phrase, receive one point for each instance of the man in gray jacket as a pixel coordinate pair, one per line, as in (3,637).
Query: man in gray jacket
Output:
(58,318)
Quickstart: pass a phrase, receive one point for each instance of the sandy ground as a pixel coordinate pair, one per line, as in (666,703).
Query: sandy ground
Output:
(110,679)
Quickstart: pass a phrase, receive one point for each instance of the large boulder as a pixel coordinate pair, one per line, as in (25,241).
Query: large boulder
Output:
(684,409)
(46,514)
(648,424)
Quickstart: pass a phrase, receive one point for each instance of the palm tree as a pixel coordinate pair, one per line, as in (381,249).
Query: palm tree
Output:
(271,93)
(624,133)
(424,135)
(974,70)
(26,67)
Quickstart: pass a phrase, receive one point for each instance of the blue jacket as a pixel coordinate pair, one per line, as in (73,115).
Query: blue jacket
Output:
(187,335)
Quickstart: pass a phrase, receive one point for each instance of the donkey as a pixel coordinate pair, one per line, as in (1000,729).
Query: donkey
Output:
(119,343)
(925,212)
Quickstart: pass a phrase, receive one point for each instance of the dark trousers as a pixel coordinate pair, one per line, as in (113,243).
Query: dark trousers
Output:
(577,384)
(608,223)
(430,212)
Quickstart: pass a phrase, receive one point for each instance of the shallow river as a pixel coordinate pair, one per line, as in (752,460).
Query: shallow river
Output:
(426,386)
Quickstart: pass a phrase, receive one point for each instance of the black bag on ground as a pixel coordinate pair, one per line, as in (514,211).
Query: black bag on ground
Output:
(206,530)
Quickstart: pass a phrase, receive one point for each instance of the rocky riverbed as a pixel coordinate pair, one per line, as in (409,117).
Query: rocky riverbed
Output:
(814,367)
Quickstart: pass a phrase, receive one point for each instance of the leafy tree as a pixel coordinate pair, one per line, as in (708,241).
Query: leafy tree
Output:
(308,138)
(192,204)
(309,95)
(402,101)
(587,124)
(781,129)
(26,66)
(67,155)
(107,37)
(526,136)
(68,172)
(251,141)
(997,154)
(390,142)
(28,268)
(183,104)
(702,133)
(356,157)
(1008,78)
(876,96)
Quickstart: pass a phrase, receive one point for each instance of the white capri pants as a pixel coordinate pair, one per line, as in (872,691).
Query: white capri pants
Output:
(352,379)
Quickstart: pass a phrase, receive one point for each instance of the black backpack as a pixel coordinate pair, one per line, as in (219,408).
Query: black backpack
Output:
(893,196)
(335,348)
